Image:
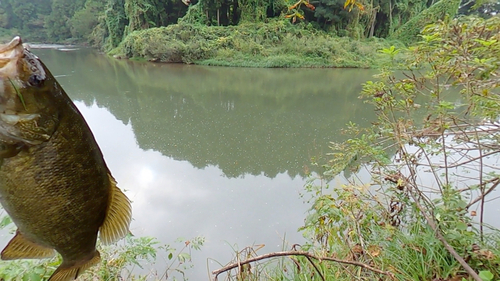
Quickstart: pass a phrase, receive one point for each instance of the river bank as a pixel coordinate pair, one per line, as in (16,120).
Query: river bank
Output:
(278,44)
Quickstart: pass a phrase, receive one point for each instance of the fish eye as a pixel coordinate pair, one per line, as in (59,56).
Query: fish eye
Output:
(35,80)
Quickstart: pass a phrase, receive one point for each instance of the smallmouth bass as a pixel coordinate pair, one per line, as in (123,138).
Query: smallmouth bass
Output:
(54,183)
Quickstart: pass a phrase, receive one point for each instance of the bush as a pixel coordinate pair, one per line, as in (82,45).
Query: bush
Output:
(274,44)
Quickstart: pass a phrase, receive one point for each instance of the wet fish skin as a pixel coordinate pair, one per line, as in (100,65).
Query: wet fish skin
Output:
(54,182)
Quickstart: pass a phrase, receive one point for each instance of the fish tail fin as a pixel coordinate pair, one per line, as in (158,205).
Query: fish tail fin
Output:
(70,272)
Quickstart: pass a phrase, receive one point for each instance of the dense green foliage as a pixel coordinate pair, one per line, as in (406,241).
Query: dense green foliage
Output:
(409,31)
(25,16)
(56,23)
(276,44)
(106,23)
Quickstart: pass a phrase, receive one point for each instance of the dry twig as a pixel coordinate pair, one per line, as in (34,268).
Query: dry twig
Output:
(299,253)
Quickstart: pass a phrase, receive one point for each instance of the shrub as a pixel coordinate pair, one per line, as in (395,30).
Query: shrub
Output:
(251,44)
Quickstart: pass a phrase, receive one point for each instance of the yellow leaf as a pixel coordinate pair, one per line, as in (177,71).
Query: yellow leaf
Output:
(294,5)
(347,2)
(351,4)
(360,7)
(400,182)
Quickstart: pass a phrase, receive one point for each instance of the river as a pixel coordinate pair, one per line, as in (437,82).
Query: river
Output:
(216,152)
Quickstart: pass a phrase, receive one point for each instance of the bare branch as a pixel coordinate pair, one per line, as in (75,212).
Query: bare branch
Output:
(481,197)
(417,197)
(299,253)
(470,160)
(492,180)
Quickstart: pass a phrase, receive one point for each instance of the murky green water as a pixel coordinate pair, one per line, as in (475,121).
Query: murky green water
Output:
(217,152)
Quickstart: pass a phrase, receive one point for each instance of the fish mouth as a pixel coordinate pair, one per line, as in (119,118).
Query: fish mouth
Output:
(11,50)
(9,54)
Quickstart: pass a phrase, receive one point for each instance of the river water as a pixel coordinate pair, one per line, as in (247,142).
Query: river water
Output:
(216,152)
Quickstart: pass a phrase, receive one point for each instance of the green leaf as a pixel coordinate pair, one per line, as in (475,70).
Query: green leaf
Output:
(461,226)
(184,257)
(6,220)
(486,275)
(32,277)
(446,105)
(486,43)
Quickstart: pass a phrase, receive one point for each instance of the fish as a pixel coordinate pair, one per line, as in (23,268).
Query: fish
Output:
(54,182)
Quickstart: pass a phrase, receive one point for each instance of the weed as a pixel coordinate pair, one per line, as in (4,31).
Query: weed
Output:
(118,261)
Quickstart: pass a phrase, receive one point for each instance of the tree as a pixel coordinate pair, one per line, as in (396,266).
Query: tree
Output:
(25,16)
(5,15)
(116,21)
(143,14)
(56,23)
(482,8)
(85,20)
(366,18)
(408,32)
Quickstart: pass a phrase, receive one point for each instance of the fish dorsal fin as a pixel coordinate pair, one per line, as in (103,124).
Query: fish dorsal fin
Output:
(70,272)
(21,248)
(118,216)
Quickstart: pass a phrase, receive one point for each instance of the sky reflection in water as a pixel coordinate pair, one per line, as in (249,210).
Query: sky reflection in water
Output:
(173,199)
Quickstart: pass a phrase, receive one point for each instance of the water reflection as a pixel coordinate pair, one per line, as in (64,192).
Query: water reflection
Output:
(217,152)
(172,198)
(244,121)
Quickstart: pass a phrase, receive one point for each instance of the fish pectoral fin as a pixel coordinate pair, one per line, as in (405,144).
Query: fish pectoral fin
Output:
(21,248)
(69,272)
(118,216)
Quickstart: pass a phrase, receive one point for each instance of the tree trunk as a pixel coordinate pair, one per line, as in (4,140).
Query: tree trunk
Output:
(372,28)
(235,12)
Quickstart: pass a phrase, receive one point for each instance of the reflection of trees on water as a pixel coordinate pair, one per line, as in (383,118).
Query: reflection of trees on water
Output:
(244,121)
